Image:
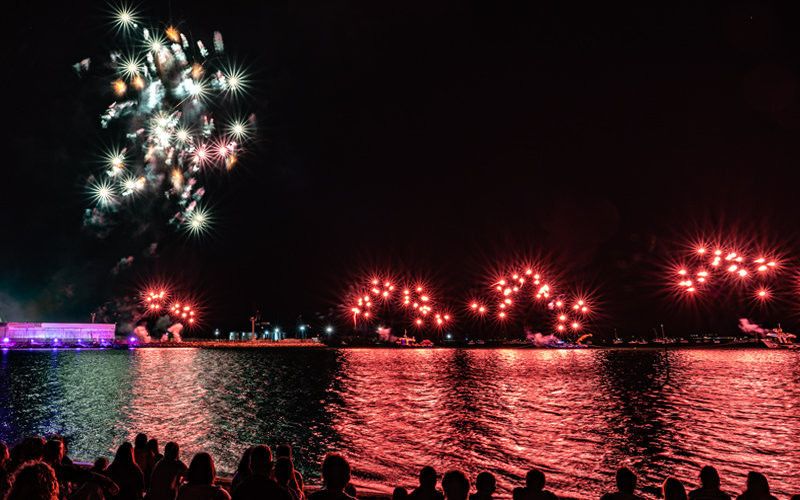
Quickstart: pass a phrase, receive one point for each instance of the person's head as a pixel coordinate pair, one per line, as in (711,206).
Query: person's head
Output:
(100,464)
(34,481)
(201,470)
(455,485)
(30,448)
(709,477)
(152,445)
(244,463)
(261,460)
(486,483)
(4,454)
(284,450)
(757,483)
(284,470)
(399,493)
(428,477)
(335,472)
(53,452)
(141,441)
(124,455)
(534,480)
(672,489)
(59,437)
(171,451)
(626,480)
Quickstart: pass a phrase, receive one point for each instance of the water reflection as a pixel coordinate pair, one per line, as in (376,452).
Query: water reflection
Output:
(576,414)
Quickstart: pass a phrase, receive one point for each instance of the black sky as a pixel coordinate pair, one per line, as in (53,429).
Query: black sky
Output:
(436,137)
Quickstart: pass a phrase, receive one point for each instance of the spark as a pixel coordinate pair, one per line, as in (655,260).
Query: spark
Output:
(103,192)
(130,66)
(198,222)
(119,87)
(235,80)
(173,34)
(125,18)
(239,130)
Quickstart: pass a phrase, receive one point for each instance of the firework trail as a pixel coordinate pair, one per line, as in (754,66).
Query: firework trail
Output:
(175,113)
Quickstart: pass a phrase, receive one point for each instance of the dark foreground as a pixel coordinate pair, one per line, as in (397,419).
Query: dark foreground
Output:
(40,469)
(575,414)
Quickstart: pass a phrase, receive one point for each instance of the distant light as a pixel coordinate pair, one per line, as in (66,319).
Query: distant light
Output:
(328,329)
(302,328)
(131,339)
(449,336)
(6,340)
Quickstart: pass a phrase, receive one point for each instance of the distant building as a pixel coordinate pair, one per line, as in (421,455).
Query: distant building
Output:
(56,333)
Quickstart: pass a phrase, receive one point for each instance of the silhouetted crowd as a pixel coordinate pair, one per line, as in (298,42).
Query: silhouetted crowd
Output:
(39,469)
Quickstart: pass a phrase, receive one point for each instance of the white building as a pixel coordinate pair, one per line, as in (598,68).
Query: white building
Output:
(56,333)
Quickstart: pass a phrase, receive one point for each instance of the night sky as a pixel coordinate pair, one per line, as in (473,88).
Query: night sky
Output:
(439,138)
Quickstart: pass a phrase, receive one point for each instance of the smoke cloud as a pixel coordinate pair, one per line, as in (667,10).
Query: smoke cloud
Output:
(750,328)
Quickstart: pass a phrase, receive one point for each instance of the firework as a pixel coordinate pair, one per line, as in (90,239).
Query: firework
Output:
(168,93)
(714,268)
(153,299)
(380,298)
(526,287)
(183,311)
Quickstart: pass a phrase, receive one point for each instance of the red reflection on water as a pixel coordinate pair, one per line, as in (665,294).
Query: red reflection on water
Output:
(577,415)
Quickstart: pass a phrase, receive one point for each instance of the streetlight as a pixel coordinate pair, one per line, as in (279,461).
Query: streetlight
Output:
(329,329)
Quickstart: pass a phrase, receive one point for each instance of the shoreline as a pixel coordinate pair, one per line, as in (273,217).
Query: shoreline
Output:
(255,345)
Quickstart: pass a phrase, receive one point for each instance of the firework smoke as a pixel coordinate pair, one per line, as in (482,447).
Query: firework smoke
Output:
(175,117)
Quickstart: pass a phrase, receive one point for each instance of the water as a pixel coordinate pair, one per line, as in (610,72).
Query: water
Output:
(575,414)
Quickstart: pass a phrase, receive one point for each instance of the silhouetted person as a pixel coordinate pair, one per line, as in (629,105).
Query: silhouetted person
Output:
(757,488)
(335,478)
(152,445)
(709,486)
(534,487)
(243,469)
(143,456)
(400,493)
(128,476)
(626,486)
(200,479)
(285,450)
(65,458)
(455,485)
(486,485)
(167,474)
(34,481)
(5,477)
(260,483)
(427,486)
(27,450)
(100,465)
(74,480)
(284,476)
(672,489)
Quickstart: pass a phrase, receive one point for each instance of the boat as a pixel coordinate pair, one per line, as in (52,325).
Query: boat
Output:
(778,339)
